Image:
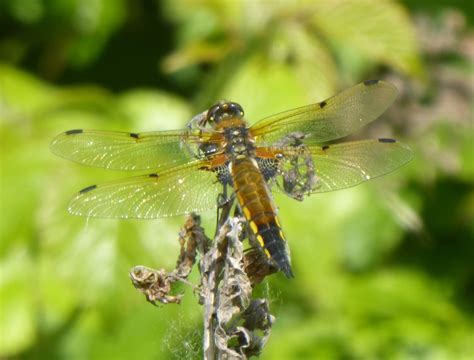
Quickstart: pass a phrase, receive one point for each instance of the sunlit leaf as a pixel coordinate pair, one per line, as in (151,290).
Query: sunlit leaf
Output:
(152,110)
(380,30)
(311,61)
(17,302)
(263,87)
(21,94)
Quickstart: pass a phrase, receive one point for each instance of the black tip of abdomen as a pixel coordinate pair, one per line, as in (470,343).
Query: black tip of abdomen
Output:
(274,243)
(286,269)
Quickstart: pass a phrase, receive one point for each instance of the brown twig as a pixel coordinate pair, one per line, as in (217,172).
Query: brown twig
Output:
(235,325)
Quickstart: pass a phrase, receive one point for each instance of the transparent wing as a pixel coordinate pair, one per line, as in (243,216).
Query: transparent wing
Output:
(331,119)
(344,165)
(128,151)
(178,191)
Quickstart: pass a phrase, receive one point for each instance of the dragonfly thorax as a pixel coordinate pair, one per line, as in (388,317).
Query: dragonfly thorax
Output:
(238,141)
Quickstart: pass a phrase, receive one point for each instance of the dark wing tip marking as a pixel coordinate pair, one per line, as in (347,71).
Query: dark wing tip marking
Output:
(154,175)
(75,131)
(322,104)
(87,189)
(134,135)
(387,140)
(371,82)
(325,147)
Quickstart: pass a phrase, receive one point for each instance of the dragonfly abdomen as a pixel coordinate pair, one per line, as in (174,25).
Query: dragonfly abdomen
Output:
(256,203)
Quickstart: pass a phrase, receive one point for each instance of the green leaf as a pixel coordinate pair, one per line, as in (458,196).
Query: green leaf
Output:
(17,302)
(21,94)
(309,58)
(95,21)
(150,110)
(380,31)
(263,88)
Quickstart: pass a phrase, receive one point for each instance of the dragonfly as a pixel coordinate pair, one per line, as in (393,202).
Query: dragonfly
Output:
(187,170)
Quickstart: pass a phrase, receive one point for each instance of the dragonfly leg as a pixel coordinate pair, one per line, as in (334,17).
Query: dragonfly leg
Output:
(224,205)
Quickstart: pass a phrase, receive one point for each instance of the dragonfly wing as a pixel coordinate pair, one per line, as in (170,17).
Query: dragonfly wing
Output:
(331,119)
(348,164)
(177,191)
(127,151)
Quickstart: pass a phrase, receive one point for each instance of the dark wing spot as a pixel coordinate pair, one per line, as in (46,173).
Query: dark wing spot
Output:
(325,147)
(371,82)
(386,140)
(322,104)
(75,131)
(87,189)
(134,135)
(154,175)
(268,167)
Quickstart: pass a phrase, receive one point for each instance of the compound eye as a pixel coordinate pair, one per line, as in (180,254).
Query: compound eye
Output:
(235,110)
(213,114)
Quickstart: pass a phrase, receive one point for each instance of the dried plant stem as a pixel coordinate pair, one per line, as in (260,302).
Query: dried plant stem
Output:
(233,321)
(209,282)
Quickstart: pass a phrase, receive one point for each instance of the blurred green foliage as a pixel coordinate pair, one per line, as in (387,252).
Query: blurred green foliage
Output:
(383,270)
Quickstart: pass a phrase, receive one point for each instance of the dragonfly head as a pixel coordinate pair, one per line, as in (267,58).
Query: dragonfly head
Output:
(223,110)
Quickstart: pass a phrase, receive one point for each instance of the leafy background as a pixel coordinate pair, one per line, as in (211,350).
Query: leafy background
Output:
(383,271)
